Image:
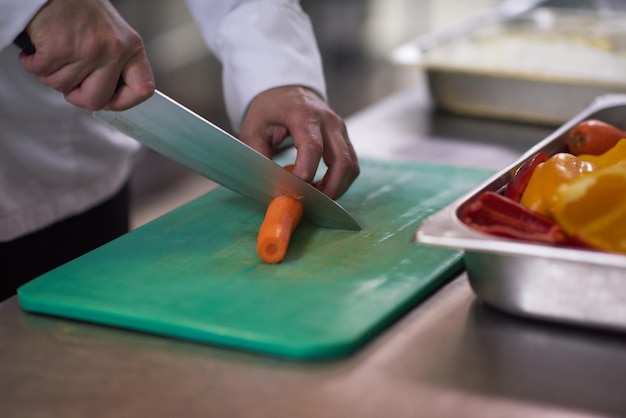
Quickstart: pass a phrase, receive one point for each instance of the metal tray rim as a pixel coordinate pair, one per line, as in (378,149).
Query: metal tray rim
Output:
(527,76)
(445,229)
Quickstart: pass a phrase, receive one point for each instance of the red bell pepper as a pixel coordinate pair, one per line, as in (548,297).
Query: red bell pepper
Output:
(495,214)
(516,186)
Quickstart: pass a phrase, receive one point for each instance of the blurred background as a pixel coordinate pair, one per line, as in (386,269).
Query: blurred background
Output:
(355,38)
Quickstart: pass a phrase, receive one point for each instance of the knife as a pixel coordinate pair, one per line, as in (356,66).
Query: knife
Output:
(177,133)
(170,129)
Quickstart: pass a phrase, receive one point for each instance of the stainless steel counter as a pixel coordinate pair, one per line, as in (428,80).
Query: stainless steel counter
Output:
(449,357)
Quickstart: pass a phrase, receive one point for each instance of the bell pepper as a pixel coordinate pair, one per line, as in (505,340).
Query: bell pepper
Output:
(592,207)
(516,186)
(615,155)
(539,194)
(499,215)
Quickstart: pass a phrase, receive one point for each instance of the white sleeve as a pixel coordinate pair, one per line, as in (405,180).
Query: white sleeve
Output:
(261,44)
(14,17)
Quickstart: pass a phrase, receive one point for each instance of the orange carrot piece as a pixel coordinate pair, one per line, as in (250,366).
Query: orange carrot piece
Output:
(281,218)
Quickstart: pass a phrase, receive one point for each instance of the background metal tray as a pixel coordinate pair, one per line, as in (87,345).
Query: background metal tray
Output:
(543,65)
(553,283)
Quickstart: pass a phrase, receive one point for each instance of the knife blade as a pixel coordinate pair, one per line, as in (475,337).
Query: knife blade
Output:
(172,130)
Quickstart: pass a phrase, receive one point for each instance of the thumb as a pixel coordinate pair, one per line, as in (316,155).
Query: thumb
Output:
(138,83)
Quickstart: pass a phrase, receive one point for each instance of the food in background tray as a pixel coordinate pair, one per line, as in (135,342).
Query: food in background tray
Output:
(563,199)
(548,44)
(541,67)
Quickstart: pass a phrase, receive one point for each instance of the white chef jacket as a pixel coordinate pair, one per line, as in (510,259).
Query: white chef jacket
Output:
(56,160)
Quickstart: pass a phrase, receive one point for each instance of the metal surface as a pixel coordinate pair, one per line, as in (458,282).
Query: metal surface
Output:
(550,102)
(538,67)
(449,357)
(179,134)
(549,282)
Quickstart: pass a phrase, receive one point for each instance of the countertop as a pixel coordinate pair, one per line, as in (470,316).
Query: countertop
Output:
(450,356)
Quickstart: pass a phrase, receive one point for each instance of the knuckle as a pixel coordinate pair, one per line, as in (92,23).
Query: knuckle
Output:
(121,48)
(56,82)
(94,103)
(350,165)
(135,41)
(316,147)
(117,49)
(91,50)
(145,91)
(328,114)
(355,169)
(129,46)
(62,53)
(58,85)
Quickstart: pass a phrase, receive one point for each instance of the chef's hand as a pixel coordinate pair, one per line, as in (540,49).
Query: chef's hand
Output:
(317,132)
(83,48)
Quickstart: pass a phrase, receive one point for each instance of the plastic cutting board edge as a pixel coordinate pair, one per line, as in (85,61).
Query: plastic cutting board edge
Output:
(194,274)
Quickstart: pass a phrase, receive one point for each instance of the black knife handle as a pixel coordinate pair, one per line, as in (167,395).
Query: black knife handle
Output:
(24,42)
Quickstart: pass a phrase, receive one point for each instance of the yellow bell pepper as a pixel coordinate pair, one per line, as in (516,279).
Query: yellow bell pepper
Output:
(539,195)
(592,207)
(615,155)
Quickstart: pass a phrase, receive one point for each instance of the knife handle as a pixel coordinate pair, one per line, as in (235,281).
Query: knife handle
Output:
(24,42)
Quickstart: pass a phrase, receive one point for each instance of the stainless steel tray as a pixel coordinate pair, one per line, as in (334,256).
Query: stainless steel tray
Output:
(542,66)
(553,283)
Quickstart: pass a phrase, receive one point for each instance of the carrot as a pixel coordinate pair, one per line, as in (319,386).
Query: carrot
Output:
(281,218)
(593,137)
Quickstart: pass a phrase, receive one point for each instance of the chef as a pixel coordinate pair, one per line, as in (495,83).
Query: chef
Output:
(64,176)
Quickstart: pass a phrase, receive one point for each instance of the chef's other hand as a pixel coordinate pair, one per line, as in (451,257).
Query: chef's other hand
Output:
(317,132)
(83,49)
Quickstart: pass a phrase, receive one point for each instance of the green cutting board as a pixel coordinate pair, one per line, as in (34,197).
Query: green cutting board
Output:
(194,273)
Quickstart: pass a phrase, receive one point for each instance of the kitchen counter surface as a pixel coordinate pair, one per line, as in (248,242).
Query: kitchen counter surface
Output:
(450,356)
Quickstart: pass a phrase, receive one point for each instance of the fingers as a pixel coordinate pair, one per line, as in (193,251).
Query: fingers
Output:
(83,49)
(42,64)
(138,84)
(96,90)
(342,162)
(318,134)
(64,79)
(100,88)
(328,141)
(309,142)
(256,134)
